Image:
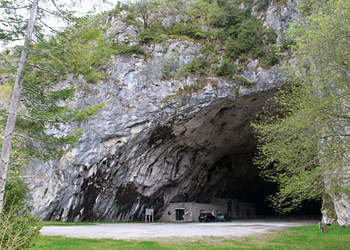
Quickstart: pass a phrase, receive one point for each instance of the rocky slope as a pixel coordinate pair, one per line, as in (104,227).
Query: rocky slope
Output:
(158,139)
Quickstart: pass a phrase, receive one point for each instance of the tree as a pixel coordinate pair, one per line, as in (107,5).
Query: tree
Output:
(148,10)
(304,137)
(45,61)
(15,101)
(11,20)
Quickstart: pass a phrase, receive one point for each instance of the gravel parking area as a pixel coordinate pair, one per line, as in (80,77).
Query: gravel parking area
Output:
(142,231)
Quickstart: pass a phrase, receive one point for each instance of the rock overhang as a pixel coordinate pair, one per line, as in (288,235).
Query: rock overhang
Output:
(151,145)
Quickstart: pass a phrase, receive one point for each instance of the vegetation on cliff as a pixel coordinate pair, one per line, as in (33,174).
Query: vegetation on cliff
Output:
(230,34)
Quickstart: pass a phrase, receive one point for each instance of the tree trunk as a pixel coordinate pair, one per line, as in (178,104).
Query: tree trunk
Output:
(15,101)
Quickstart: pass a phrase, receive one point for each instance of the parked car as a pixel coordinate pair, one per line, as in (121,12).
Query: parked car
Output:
(206,217)
(223,217)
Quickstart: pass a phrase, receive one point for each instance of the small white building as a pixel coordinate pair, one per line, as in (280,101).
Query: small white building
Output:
(190,211)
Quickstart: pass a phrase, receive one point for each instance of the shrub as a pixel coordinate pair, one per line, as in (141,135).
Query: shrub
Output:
(226,18)
(244,82)
(16,194)
(179,29)
(130,19)
(271,36)
(155,33)
(123,48)
(17,231)
(191,67)
(200,65)
(170,64)
(270,59)
(262,5)
(17,226)
(226,68)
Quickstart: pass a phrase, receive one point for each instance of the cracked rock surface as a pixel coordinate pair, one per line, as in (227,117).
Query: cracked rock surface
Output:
(150,145)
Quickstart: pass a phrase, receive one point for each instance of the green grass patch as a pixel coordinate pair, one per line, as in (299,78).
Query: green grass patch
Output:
(59,243)
(61,223)
(307,237)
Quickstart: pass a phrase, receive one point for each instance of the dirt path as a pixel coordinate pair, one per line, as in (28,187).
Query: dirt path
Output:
(136,231)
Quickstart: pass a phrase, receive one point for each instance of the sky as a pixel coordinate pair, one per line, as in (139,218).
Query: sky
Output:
(83,8)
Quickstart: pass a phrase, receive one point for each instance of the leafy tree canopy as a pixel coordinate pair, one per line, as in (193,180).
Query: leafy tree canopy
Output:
(303,136)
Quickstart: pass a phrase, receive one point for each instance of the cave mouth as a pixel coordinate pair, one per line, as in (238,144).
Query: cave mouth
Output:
(235,177)
(225,168)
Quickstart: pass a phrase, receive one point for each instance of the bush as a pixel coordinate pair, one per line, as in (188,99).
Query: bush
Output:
(155,33)
(191,67)
(270,59)
(262,5)
(130,19)
(227,17)
(244,82)
(16,195)
(17,226)
(123,48)
(271,36)
(200,65)
(17,231)
(182,29)
(226,68)
(170,64)
(178,29)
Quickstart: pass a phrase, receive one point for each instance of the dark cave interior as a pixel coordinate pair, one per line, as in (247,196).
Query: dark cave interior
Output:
(235,177)
(226,135)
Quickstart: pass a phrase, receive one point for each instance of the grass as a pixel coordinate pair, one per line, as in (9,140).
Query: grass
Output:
(307,237)
(60,223)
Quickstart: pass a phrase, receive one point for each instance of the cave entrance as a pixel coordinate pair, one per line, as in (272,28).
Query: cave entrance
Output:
(234,177)
(219,147)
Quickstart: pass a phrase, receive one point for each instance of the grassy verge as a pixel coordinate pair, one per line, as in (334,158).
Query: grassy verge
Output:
(308,237)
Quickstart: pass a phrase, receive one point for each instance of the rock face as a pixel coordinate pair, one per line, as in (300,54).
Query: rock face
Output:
(151,145)
(143,150)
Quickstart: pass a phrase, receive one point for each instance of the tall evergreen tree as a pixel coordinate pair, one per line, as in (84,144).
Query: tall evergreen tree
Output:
(45,61)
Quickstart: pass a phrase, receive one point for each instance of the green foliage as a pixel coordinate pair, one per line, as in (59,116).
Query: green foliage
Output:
(15,195)
(178,28)
(130,19)
(303,136)
(170,65)
(155,33)
(226,68)
(282,2)
(227,16)
(5,93)
(18,231)
(271,36)
(262,5)
(199,65)
(12,25)
(78,51)
(270,58)
(18,227)
(123,48)
(244,82)
(242,35)
(247,36)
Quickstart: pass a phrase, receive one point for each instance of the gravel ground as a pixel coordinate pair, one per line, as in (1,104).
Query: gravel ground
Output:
(141,231)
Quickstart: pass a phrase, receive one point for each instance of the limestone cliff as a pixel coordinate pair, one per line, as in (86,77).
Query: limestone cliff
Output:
(159,139)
